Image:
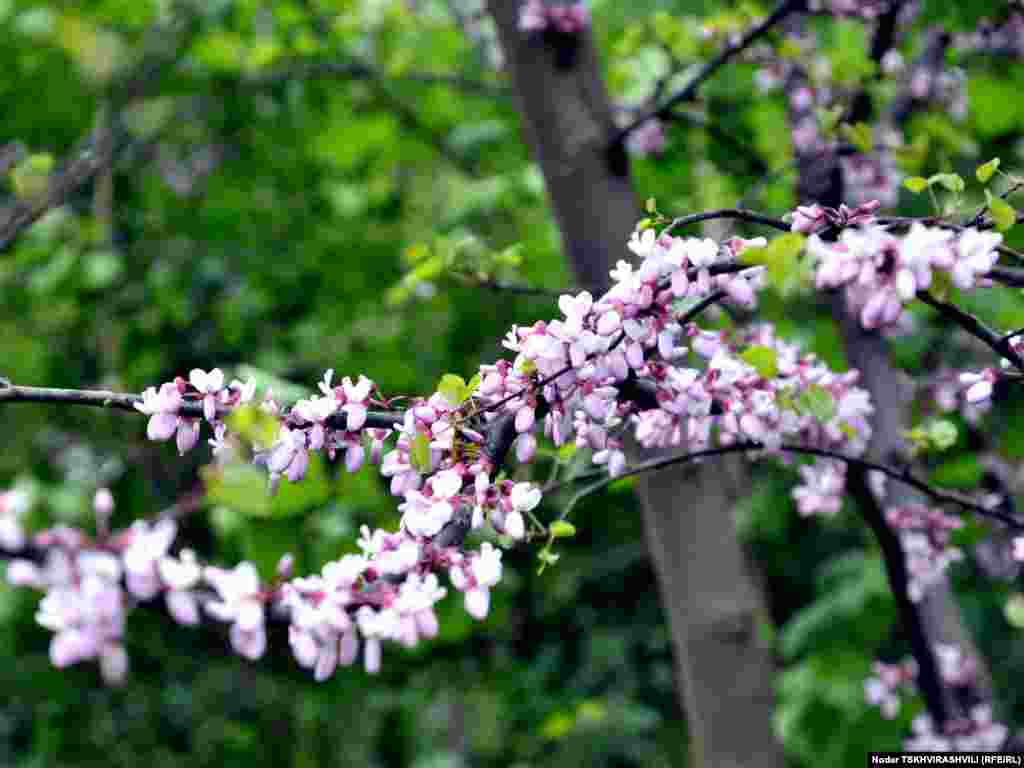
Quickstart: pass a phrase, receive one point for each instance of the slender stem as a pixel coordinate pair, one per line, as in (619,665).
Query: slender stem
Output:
(905,477)
(99,398)
(88,158)
(999,343)
(311,70)
(979,218)
(517,289)
(730,213)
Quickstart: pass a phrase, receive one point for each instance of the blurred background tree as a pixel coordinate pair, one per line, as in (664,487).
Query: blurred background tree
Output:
(283,187)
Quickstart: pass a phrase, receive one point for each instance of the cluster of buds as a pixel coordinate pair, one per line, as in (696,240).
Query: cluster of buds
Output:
(972,733)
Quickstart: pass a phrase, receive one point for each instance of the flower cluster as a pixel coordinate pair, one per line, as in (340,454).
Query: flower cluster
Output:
(974,732)
(925,536)
(1006,38)
(814,218)
(881,272)
(884,688)
(648,138)
(630,359)
(950,390)
(567,19)
(164,406)
(944,88)
(871,177)
(387,593)
(821,488)
(977,387)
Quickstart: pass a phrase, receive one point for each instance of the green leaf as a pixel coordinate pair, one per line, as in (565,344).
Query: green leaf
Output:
(1014,610)
(557,726)
(943,434)
(546,557)
(419,454)
(858,134)
(651,206)
(987,171)
(453,388)
(951,181)
(916,184)
(817,401)
(1003,214)
(782,258)
(242,487)
(763,359)
(562,529)
(30,177)
(102,268)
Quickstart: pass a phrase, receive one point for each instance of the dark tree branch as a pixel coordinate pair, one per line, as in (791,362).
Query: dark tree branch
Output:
(755,163)
(929,679)
(902,476)
(999,343)
(126,402)
(313,70)
(499,286)
(687,93)
(89,157)
(739,214)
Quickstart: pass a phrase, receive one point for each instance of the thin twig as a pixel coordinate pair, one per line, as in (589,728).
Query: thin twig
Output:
(664,111)
(999,343)
(312,70)
(88,157)
(730,213)
(902,476)
(121,401)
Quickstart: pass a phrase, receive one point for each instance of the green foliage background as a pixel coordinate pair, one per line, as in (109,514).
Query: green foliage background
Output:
(344,196)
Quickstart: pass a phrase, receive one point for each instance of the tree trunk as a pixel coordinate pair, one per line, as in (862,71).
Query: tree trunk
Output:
(820,179)
(724,674)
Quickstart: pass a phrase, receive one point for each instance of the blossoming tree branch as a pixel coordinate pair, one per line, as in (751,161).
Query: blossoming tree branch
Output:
(633,362)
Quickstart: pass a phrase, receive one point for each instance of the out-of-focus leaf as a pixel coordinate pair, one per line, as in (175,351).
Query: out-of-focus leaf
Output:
(243,487)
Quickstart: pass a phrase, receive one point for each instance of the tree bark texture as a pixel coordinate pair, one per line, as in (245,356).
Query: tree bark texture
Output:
(724,674)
